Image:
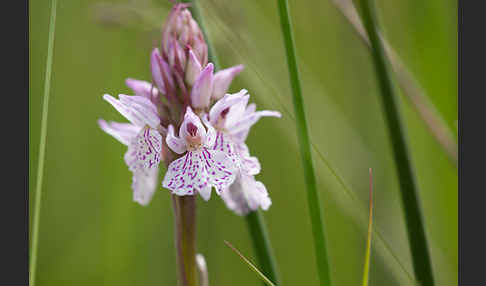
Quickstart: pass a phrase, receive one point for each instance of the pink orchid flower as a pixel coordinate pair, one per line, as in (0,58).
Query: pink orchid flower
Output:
(232,117)
(141,135)
(202,167)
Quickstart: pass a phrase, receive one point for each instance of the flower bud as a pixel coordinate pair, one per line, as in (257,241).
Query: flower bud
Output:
(161,73)
(222,80)
(180,33)
(203,86)
(193,68)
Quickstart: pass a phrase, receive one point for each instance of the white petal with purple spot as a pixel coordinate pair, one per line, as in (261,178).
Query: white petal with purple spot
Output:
(177,145)
(198,170)
(149,146)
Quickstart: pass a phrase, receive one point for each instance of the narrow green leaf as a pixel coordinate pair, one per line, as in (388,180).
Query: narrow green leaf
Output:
(411,88)
(256,224)
(366,269)
(252,267)
(409,192)
(305,147)
(42,147)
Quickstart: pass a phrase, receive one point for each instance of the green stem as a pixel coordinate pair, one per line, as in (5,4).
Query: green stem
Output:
(42,146)
(305,148)
(256,224)
(185,238)
(262,246)
(409,192)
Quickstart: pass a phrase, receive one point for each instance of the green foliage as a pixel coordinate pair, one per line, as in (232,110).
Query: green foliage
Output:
(91,233)
(408,187)
(305,147)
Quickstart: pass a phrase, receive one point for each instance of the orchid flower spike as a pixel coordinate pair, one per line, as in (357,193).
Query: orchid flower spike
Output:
(202,167)
(141,136)
(232,118)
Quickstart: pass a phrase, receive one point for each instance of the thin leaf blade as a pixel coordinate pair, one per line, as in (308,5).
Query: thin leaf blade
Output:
(366,268)
(42,146)
(305,148)
(252,267)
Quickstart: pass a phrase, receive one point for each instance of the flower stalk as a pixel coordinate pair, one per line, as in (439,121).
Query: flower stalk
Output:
(185,238)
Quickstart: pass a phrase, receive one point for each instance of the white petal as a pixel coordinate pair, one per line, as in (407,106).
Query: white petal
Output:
(144,183)
(191,117)
(145,150)
(185,174)
(250,109)
(240,137)
(177,145)
(205,192)
(221,169)
(248,120)
(249,164)
(139,110)
(227,101)
(246,195)
(258,195)
(199,171)
(130,157)
(123,132)
(210,134)
(238,153)
(149,147)
(237,110)
(225,145)
(143,108)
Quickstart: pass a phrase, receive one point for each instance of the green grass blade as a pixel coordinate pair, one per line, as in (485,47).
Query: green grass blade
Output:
(366,268)
(409,192)
(305,147)
(261,244)
(411,88)
(256,224)
(252,267)
(42,147)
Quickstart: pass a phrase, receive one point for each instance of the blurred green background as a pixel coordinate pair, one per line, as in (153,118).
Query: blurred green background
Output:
(91,233)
